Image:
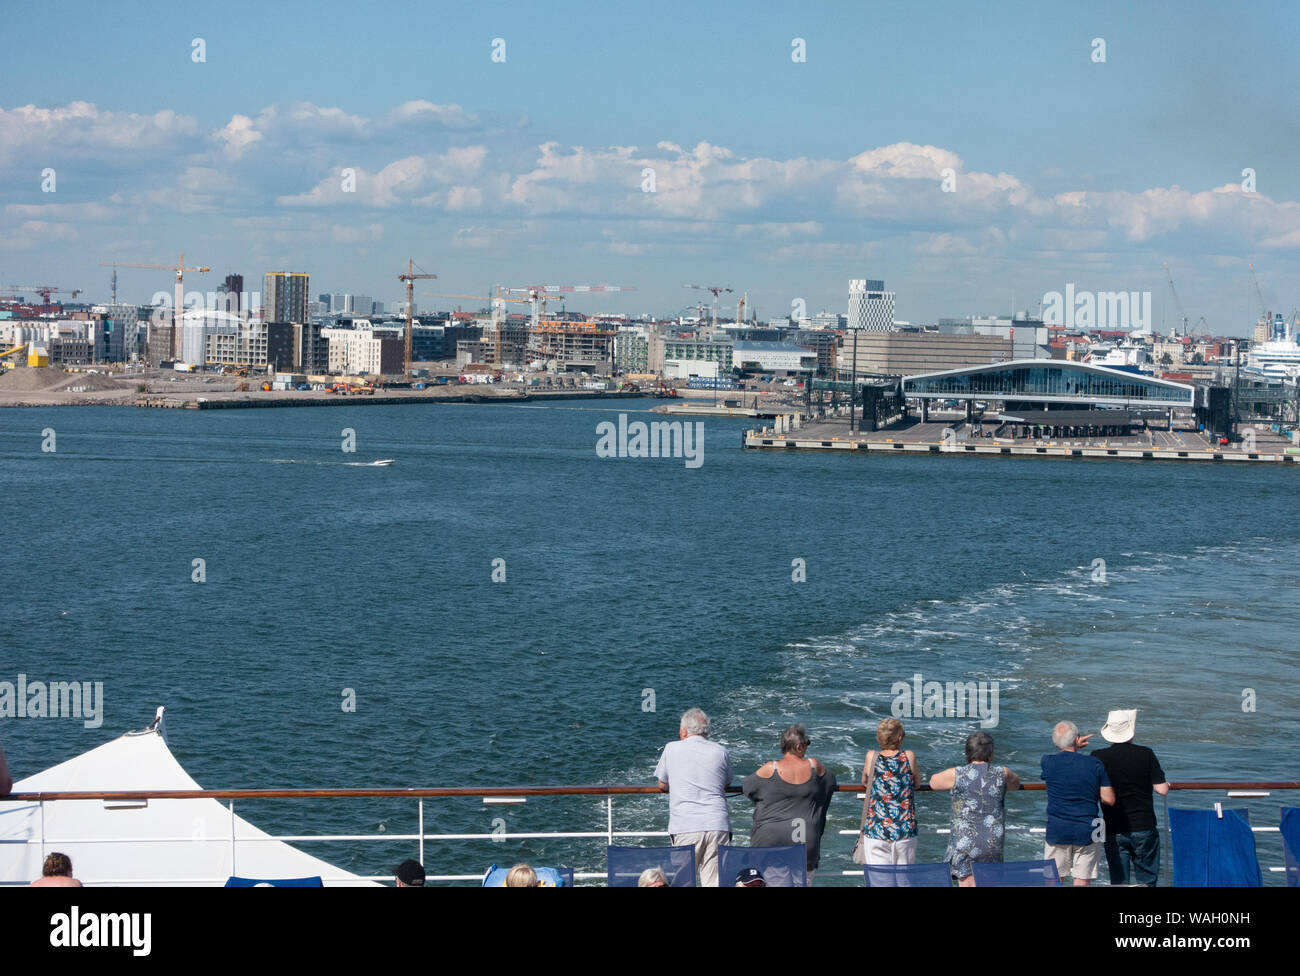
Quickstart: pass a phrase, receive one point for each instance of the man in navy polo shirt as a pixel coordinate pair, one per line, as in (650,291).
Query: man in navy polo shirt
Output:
(1075,783)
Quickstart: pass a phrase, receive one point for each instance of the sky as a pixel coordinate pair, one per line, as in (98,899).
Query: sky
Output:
(974,156)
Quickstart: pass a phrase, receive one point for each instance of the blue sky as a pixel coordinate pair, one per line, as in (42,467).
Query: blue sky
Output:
(777,178)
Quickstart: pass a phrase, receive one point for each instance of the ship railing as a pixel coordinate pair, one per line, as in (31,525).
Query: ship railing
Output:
(493,796)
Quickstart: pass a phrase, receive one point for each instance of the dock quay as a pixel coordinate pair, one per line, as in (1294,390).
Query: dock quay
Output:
(792,432)
(317,399)
(708,410)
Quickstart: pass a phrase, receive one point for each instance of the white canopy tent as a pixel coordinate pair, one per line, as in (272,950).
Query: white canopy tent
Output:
(139,842)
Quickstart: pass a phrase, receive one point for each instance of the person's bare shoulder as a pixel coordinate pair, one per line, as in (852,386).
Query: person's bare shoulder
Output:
(817,765)
(766,770)
(57,881)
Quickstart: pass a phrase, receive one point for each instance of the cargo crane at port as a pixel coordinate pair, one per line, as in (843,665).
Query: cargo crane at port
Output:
(1182,312)
(179,270)
(409,279)
(717,290)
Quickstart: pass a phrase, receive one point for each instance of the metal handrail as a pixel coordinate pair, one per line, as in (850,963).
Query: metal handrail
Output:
(509,791)
(489,795)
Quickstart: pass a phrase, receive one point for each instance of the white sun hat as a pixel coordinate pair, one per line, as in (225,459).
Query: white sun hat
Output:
(1120,725)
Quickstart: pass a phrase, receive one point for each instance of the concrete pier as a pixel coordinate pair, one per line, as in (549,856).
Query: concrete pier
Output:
(938,438)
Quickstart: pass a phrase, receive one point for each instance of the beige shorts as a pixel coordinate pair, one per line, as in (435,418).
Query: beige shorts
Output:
(1075,860)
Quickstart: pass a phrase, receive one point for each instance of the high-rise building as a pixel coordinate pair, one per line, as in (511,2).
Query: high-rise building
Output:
(284,295)
(233,287)
(870,307)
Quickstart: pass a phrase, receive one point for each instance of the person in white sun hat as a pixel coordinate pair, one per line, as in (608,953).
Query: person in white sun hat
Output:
(1132,841)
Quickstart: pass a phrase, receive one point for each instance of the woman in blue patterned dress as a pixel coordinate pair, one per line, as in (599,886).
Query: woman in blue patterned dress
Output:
(978,792)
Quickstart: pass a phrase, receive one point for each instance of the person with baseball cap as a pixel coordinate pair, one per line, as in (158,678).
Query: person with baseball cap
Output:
(1132,841)
(410,874)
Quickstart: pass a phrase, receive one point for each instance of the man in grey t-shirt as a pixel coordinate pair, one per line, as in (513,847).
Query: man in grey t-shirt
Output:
(695,773)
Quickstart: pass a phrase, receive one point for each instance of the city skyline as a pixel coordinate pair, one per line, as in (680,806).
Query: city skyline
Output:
(781,178)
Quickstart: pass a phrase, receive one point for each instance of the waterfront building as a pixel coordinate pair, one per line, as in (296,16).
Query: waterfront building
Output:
(632,350)
(719,351)
(905,353)
(774,357)
(824,342)
(311,350)
(284,296)
(367,349)
(871,308)
(197,324)
(1043,386)
(255,344)
(120,340)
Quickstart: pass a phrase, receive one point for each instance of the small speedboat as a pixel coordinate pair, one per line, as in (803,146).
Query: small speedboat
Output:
(381,464)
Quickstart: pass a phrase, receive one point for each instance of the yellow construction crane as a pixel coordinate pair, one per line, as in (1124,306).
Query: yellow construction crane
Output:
(409,279)
(179,270)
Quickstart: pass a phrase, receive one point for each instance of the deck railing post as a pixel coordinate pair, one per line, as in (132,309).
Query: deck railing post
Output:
(42,832)
(421,831)
(232,839)
(609,819)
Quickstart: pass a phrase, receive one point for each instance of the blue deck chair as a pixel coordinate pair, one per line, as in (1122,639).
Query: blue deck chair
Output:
(234,882)
(781,867)
(1291,844)
(908,875)
(625,864)
(1015,874)
(1212,850)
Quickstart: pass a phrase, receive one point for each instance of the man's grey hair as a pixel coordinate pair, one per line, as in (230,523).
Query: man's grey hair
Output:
(1064,734)
(695,722)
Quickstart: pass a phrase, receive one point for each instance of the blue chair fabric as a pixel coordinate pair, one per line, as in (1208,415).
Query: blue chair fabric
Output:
(1016,874)
(908,875)
(782,867)
(625,864)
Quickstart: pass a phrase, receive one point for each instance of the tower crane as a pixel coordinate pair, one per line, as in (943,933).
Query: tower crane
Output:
(538,294)
(179,270)
(409,279)
(716,289)
(45,291)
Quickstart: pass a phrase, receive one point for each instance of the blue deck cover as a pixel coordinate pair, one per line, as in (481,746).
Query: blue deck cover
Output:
(1213,851)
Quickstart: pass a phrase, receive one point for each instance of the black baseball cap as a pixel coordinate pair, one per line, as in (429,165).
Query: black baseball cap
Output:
(411,873)
(750,878)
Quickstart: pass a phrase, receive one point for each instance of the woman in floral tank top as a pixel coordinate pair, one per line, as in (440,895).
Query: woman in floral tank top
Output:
(890,828)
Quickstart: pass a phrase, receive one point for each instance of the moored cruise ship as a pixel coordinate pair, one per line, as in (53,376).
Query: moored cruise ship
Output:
(1279,356)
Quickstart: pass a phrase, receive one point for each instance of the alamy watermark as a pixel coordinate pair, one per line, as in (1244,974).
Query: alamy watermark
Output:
(1097,310)
(53,699)
(657,439)
(952,699)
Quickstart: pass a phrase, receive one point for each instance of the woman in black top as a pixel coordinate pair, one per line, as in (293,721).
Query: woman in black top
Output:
(791,796)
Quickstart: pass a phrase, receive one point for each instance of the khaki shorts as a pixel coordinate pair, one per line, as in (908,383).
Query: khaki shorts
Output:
(1075,860)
